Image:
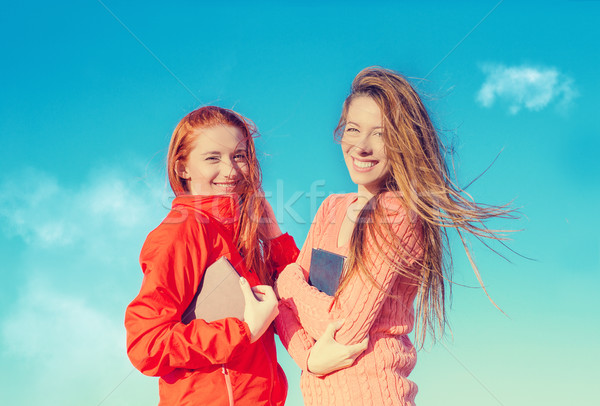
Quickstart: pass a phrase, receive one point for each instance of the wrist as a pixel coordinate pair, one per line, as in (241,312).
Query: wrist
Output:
(310,367)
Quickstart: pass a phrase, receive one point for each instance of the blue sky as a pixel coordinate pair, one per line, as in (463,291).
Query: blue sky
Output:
(92,91)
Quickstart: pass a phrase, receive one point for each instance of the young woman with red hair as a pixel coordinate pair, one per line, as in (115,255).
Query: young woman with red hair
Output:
(393,235)
(219,210)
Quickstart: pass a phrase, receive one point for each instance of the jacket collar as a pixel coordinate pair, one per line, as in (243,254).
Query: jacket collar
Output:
(224,208)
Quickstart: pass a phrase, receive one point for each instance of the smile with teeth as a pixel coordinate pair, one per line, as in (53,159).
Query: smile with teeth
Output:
(363,165)
(225,184)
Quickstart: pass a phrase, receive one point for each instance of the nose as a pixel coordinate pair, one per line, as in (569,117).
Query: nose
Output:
(363,146)
(231,170)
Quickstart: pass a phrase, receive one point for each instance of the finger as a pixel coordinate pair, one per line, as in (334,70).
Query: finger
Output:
(357,349)
(331,329)
(247,291)
(268,293)
(259,296)
(259,293)
(347,363)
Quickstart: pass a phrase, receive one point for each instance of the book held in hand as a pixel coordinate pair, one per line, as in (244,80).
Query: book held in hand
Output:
(219,295)
(325,270)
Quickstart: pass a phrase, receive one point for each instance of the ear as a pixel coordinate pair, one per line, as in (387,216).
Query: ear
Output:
(181,169)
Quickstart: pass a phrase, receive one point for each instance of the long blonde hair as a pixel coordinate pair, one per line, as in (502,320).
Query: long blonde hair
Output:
(250,239)
(419,177)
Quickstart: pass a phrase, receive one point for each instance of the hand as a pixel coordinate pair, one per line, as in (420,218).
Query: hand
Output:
(261,308)
(327,355)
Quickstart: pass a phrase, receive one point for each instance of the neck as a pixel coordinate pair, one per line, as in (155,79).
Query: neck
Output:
(364,195)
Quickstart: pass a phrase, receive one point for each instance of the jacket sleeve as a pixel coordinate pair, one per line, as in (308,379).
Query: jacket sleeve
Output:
(157,341)
(360,302)
(283,251)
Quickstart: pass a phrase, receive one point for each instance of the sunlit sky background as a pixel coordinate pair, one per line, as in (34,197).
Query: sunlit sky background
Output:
(91,92)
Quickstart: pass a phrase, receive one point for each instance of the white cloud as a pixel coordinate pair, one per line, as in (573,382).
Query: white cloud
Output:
(49,215)
(49,327)
(66,288)
(529,87)
(75,354)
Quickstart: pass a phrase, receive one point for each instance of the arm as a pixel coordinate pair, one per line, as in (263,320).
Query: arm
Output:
(325,355)
(321,357)
(294,273)
(360,302)
(291,333)
(282,247)
(157,340)
(293,337)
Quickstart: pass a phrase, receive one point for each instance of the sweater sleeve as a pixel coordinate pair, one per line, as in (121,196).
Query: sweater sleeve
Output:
(360,302)
(157,341)
(291,333)
(293,337)
(313,238)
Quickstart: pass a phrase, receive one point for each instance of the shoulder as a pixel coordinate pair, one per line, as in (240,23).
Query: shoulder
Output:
(406,224)
(395,209)
(336,201)
(331,206)
(178,230)
(181,223)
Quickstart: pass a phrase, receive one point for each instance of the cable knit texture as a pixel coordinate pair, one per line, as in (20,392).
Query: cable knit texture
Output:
(379,375)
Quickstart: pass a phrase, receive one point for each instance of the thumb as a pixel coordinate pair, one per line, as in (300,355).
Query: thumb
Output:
(332,328)
(247,291)
(363,344)
(357,349)
(269,294)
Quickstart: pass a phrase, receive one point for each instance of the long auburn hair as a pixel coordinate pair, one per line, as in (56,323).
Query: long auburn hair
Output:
(250,238)
(419,178)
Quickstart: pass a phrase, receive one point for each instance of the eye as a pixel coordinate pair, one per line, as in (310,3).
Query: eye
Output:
(239,157)
(213,158)
(352,130)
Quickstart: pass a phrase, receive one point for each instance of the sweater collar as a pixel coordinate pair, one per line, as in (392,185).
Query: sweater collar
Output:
(224,208)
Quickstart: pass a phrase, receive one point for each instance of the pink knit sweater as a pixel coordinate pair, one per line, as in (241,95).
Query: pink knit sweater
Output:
(379,375)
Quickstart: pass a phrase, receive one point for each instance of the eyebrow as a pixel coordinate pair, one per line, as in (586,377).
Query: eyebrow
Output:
(219,152)
(353,123)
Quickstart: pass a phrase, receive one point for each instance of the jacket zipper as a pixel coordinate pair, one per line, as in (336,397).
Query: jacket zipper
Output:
(228,384)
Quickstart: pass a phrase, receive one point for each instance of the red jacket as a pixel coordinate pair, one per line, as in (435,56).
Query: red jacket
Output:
(200,363)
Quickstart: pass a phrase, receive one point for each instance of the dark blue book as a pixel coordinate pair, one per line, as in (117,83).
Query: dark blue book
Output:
(325,270)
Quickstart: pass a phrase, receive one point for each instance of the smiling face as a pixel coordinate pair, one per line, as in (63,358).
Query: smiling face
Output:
(363,146)
(217,163)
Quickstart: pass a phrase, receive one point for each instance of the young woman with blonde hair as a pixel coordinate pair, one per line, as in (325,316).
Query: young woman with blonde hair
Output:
(393,235)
